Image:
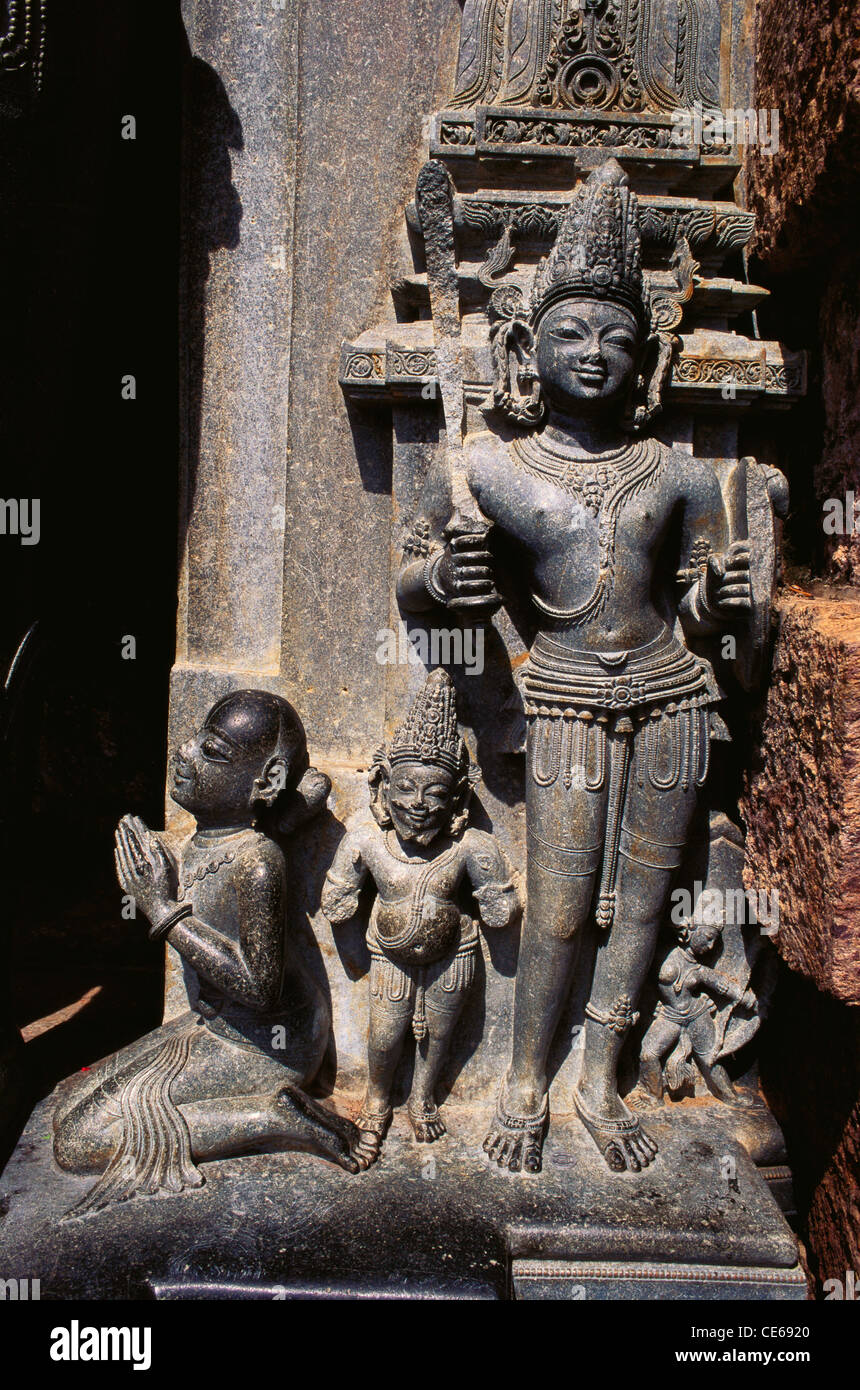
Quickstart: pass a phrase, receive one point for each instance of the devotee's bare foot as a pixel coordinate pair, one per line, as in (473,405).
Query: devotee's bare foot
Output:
(372,1129)
(623,1142)
(427,1123)
(311,1127)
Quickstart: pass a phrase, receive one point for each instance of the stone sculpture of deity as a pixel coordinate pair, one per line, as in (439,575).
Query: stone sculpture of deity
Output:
(225,1077)
(420,851)
(627,546)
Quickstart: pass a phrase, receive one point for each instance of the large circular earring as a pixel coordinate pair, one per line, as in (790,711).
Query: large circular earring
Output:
(516,386)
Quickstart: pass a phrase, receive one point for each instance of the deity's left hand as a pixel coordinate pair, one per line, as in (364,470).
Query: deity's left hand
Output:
(727,581)
(144,867)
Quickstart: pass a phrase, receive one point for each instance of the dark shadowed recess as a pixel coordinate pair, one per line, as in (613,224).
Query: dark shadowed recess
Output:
(89,244)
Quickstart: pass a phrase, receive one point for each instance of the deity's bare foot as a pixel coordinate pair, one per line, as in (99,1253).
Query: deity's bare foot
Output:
(516,1141)
(620,1138)
(311,1127)
(372,1128)
(427,1123)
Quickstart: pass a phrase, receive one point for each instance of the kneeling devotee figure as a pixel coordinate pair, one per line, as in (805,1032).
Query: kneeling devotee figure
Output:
(224,1078)
(418,850)
(627,547)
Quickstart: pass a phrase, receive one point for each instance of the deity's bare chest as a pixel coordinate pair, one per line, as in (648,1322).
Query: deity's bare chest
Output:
(590,523)
(417,916)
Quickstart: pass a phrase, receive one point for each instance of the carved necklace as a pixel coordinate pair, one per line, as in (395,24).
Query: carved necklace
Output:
(217,862)
(420,889)
(393,847)
(602,486)
(588,480)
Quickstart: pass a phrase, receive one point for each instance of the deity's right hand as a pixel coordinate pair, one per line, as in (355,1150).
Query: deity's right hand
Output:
(462,572)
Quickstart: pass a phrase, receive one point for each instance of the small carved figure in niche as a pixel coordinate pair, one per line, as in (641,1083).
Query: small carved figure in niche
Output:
(418,851)
(224,1078)
(630,561)
(683,1024)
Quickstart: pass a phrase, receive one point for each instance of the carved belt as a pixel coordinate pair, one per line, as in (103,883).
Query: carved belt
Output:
(682,1019)
(398,983)
(559,680)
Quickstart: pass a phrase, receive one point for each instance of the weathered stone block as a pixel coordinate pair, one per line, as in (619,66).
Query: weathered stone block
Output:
(802,802)
(807,68)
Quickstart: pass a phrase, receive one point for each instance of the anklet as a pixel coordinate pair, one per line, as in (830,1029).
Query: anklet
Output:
(607,1125)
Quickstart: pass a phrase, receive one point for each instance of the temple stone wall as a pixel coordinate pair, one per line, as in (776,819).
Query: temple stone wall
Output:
(806,199)
(303,144)
(802,799)
(803,806)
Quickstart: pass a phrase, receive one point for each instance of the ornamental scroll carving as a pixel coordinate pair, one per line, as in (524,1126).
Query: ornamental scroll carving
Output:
(627,55)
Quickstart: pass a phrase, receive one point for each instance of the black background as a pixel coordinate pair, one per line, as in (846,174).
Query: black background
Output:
(89,253)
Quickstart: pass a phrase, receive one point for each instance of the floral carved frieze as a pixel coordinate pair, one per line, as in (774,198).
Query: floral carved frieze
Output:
(768,372)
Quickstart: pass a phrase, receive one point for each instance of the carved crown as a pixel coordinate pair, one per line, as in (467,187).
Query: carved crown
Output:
(429,734)
(597,253)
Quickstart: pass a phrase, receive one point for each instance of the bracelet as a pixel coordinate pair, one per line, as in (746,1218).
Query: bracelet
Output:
(157,932)
(429,576)
(705,609)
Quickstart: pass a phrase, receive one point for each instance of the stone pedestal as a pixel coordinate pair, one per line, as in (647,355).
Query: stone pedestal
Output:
(425,1222)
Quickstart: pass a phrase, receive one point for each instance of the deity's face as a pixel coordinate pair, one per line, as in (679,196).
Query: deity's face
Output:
(703,939)
(216,771)
(420,801)
(586,353)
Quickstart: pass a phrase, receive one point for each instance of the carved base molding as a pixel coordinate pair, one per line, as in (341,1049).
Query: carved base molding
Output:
(607,1279)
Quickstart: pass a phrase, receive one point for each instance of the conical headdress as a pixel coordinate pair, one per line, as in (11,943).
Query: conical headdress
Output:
(429,734)
(597,254)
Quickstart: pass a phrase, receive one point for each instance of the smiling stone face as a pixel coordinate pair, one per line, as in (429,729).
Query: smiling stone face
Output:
(420,801)
(586,352)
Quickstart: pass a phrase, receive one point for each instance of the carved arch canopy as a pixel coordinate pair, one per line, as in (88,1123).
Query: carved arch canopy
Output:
(629,55)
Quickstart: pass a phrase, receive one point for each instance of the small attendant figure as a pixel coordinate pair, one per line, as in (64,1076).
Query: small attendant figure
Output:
(683,1023)
(418,851)
(224,1078)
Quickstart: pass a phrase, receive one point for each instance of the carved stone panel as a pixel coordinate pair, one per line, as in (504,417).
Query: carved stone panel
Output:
(603,55)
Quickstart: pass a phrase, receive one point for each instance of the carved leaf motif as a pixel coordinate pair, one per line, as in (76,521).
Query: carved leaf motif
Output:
(456,133)
(734,229)
(531,26)
(363,365)
(498,260)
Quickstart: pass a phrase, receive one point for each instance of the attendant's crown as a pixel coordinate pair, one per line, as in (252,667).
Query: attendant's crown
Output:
(429,734)
(597,254)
